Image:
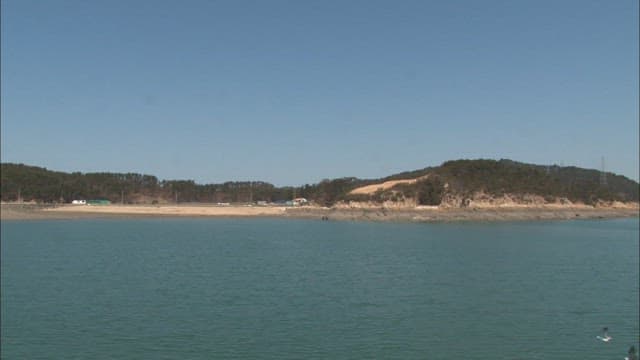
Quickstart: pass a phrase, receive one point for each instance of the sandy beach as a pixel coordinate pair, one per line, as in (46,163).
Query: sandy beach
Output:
(36,212)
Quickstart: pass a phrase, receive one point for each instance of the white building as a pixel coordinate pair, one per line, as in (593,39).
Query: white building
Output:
(300,201)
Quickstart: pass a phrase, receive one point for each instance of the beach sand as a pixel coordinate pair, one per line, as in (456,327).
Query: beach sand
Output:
(172,210)
(36,212)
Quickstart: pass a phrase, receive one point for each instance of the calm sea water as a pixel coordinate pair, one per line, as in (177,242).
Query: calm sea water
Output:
(282,289)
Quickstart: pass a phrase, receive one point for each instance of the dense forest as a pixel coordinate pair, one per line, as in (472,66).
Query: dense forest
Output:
(459,177)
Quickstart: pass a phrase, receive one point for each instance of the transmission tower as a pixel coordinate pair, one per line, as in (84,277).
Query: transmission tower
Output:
(603,175)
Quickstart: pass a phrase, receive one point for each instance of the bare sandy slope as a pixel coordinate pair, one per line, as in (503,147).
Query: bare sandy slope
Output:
(370,189)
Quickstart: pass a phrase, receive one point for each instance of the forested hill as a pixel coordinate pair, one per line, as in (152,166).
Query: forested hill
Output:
(464,178)
(459,178)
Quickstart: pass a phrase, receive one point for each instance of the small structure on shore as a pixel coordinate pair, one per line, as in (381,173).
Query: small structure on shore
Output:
(300,201)
(98,202)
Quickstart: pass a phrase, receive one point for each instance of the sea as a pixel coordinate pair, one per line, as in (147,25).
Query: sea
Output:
(201,288)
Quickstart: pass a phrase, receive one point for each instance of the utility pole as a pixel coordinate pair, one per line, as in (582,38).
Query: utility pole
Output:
(603,175)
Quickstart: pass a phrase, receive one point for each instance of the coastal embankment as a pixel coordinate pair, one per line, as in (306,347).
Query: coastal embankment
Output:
(415,214)
(463,214)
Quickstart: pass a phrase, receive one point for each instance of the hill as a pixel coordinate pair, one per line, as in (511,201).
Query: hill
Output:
(455,183)
(461,182)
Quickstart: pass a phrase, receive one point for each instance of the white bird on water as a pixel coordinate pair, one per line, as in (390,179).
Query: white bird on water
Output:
(605,335)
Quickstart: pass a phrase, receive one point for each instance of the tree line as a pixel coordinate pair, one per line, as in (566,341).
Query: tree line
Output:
(459,177)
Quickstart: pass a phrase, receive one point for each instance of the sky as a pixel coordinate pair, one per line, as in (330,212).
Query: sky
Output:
(293,92)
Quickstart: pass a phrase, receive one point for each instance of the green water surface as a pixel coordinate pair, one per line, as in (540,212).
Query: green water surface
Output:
(283,289)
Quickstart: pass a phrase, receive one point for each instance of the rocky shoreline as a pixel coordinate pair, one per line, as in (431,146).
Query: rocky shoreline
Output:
(463,214)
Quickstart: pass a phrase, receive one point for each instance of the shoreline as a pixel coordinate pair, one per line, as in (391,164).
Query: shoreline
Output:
(415,215)
(469,214)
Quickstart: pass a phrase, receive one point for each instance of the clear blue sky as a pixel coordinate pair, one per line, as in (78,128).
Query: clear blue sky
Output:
(292,92)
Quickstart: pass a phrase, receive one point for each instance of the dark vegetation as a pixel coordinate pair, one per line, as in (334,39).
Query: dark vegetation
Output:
(497,178)
(461,177)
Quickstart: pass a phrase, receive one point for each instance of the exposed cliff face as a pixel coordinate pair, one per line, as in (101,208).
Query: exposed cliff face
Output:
(482,200)
(403,204)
